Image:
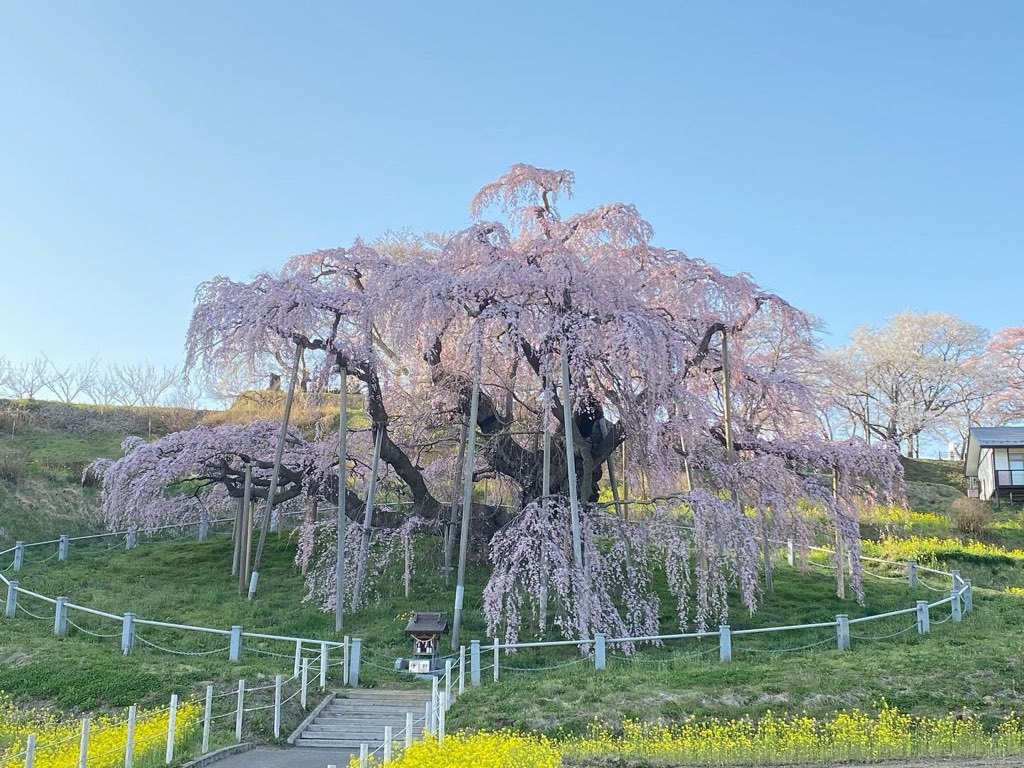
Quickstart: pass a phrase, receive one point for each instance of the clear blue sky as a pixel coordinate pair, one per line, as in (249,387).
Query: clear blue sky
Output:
(856,157)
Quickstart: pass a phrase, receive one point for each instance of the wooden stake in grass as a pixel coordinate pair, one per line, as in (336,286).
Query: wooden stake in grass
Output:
(245,534)
(275,474)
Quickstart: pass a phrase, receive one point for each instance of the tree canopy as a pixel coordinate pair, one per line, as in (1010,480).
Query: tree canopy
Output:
(641,328)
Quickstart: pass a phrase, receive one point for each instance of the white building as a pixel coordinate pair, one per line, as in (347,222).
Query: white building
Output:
(995,463)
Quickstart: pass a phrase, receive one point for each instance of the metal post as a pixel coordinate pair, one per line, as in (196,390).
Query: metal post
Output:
(240,710)
(599,656)
(467,494)
(353,665)
(912,573)
(495,659)
(955,577)
(724,643)
(408,729)
(19,555)
(923,618)
(956,613)
(235,644)
(12,599)
(324,665)
(790,552)
(388,739)
(30,752)
(968,597)
(275,473)
(474,662)
(207,719)
(843,631)
(298,658)
(462,669)
(304,682)
(127,633)
(448,663)
(129,741)
(278,680)
(172,724)
(342,524)
(542,613)
(726,392)
(364,547)
(449,538)
(62,547)
(83,745)
(60,617)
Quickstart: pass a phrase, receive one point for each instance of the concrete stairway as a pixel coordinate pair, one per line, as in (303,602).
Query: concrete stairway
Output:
(358,717)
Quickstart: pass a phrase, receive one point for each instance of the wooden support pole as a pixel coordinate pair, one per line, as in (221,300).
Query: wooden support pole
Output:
(339,568)
(245,543)
(467,494)
(449,536)
(371,494)
(275,474)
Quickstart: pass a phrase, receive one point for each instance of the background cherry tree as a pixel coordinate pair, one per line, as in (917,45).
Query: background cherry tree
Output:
(641,328)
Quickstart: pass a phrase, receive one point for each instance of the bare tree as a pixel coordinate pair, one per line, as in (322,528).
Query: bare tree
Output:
(146,385)
(26,380)
(72,381)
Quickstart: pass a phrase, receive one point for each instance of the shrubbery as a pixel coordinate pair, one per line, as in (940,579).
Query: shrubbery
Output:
(971,516)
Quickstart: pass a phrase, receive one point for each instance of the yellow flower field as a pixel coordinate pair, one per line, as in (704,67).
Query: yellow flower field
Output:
(58,742)
(771,740)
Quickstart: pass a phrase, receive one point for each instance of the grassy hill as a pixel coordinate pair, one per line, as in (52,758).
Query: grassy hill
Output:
(977,666)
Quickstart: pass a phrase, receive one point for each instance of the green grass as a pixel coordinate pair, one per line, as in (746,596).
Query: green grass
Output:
(61,456)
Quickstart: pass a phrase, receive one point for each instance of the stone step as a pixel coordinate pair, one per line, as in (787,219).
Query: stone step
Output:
(342,724)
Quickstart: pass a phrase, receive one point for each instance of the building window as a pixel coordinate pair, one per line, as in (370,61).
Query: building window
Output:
(1017,461)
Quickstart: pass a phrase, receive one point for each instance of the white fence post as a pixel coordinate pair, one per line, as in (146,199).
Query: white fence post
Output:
(19,555)
(304,681)
(324,665)
(408,729)
(240,711)
(127,633)
(599,651)
(12,599)
(298,658)
(495,659)
(955,612)
(724,643)
(968,597)
(131,539)
(30,751)
(462,669)
(923,618)
(277,706)
(434,696)
(912,573)
(474,662)
(83,745)
(204,527)
(172,726)
(955,578)
(60,617)
(207,719)
(354,659)
(62,547)
(344,661)
(441,710)
(364,755)
(235,649)
(448,663)
(388,738)
(790,552)
(129,741)
(843,631)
